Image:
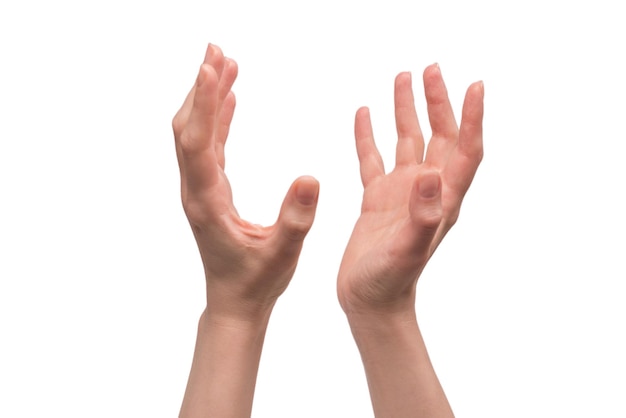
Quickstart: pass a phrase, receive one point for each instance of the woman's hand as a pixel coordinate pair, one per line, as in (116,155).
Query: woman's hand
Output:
(247,266)
(406,213)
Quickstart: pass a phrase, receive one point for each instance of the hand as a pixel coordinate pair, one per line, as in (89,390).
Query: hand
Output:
(247,266)
(406,213)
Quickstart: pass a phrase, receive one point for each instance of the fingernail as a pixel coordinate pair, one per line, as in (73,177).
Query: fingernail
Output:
(307,193)
(429,185)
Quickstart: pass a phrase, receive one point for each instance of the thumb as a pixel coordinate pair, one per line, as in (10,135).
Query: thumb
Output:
(296,215)
(425,210)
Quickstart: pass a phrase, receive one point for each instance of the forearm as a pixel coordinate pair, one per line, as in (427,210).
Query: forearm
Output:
(400,376)
(224,369)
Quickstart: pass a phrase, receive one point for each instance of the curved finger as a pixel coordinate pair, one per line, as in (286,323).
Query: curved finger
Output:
(215,58)
(465,159)
(468,154)
(196,142)
(410,147)
(226,107)
(179,122)
(426,213)
(296,217)
(370,161)
(180,119)
(223,127)
(212,58)
(227,78)
(445,131)
(414,241)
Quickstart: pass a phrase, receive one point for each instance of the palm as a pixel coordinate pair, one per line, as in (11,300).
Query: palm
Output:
(384,212)
(391,242)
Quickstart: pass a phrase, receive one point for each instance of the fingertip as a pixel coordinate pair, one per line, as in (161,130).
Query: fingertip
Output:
(473,105)
(362,122)
(429,185)
(297,214)
(232,63)
(206,73)
(307,190)
(215,58)
(362,111)
(437,94)
(433,71)
(208,50)
(434,83)
(471,130)
(212,50)
(404,77)
(230,71)
(308,179)
(477,88)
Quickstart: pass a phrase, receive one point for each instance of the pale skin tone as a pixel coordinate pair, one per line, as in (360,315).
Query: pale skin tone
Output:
(405,215)
(246,266)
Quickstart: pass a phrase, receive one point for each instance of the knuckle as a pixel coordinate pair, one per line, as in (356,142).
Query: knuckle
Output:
(295,231)
(429,221)
(195,212)
(452,217)
(475,152)
(480,154)
(177,124)
(430,224)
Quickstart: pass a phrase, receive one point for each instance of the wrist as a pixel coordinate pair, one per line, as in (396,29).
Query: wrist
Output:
(237,305)
(398,307)
(243,319)
(369,297)
(382,323)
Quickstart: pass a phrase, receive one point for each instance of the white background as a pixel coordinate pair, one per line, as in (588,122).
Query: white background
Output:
(101,285)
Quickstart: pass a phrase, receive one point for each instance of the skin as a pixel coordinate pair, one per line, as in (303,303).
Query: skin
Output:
(247,266)
(405,215)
